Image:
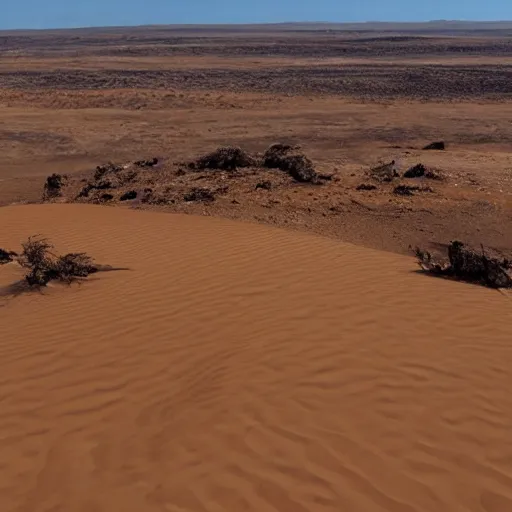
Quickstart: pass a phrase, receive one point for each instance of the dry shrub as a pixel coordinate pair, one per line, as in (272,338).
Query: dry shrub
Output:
(465,264)
(53,186)
(43,266)
(226,158)
(288,159)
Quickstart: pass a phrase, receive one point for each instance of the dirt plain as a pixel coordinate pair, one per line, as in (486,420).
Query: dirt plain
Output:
(72,100)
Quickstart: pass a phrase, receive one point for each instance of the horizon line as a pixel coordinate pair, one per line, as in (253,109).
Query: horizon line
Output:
(259,24)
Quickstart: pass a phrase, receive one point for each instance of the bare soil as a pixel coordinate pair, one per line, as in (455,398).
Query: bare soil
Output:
(72,100)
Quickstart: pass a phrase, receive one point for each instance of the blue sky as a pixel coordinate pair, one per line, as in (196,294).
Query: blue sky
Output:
(80,13)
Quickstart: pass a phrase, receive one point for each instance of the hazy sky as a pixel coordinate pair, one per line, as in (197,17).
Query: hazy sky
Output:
(80,13)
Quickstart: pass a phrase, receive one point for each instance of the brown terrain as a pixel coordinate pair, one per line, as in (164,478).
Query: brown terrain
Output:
(235,365)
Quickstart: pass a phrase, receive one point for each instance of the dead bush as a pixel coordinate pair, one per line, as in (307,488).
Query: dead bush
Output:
(297,165)
(226,158)
(466,264)
(43,266)
(53,186)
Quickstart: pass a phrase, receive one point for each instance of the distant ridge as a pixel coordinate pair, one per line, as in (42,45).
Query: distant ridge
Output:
(433,26)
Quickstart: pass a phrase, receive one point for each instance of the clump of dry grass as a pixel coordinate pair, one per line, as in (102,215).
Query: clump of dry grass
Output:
(43,266)
(465,264)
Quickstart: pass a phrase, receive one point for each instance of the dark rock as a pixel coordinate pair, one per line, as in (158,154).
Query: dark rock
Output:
(127,196)
(6,256)
(106,197)
(103,170)
(385,172)
(366,186)
(265,185)
(416,171)
(439,145)
(466,264)
(421,171)
(297,165)
(199,194)
(147,163)
(404,190)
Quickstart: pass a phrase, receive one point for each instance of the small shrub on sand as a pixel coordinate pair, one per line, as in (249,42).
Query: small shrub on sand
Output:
(465,264)
(43,266)
(226,158)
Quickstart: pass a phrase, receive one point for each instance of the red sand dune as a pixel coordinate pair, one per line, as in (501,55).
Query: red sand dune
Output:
(237,367)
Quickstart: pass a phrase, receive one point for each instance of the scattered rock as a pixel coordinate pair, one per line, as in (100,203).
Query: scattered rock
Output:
(366,186)
(127,196)
(265,185)
(147,163)
(421,171)
(103,170)
(404,190)
(199,194)
(227,158)
(466,264)
(439,145)
(297,165)
(417,171)
(385,172)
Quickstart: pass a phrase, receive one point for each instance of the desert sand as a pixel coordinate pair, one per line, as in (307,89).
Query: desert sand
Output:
(241,367)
